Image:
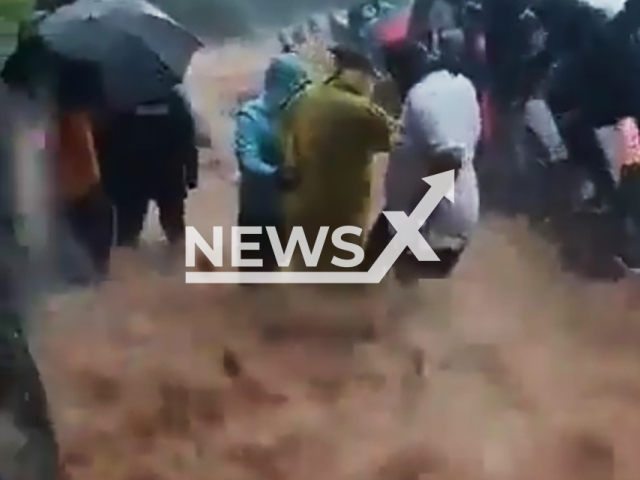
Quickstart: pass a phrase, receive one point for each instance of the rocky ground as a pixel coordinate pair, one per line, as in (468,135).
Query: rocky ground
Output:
(510,371)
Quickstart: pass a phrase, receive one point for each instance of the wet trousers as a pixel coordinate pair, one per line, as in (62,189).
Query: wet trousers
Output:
(23,402)
(90,220)
(585,150)
(131,213)
(407,266)
(23,398)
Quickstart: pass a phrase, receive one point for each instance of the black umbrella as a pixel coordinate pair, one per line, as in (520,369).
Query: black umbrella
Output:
(138,50)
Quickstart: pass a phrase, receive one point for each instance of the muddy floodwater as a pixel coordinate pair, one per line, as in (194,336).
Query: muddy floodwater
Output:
(510,371)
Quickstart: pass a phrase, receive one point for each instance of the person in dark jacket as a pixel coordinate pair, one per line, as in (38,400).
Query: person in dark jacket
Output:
(474,60)
(592,85)
(150,154)
(508,43)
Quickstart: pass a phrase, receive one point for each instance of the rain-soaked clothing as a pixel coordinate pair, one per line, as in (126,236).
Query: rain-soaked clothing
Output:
(77,163)
(441,116)
(150,154)
(441,112)
(259,152)
(330,139)
(83,205)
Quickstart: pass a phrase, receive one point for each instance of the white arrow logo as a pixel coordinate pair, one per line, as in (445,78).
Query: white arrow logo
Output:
(408,235)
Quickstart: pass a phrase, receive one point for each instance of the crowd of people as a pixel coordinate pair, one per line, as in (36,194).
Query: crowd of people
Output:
(108,165)
(471,85)
(96,166)
(484,85)
(313,155)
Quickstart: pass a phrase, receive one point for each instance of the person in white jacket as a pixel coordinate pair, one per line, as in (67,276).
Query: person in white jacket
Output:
(441,128)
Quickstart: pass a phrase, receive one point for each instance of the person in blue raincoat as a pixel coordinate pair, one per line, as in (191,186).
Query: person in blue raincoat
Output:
(257,147)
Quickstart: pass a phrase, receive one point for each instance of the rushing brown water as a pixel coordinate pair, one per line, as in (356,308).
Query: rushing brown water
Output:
(510,371)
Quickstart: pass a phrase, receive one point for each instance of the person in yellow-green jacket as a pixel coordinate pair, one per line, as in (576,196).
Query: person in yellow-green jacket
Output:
(330,134)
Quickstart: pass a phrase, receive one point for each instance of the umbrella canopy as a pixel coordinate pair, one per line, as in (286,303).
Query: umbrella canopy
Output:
(140,52)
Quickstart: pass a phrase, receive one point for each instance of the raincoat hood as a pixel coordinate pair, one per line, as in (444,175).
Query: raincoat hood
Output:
(285,76)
